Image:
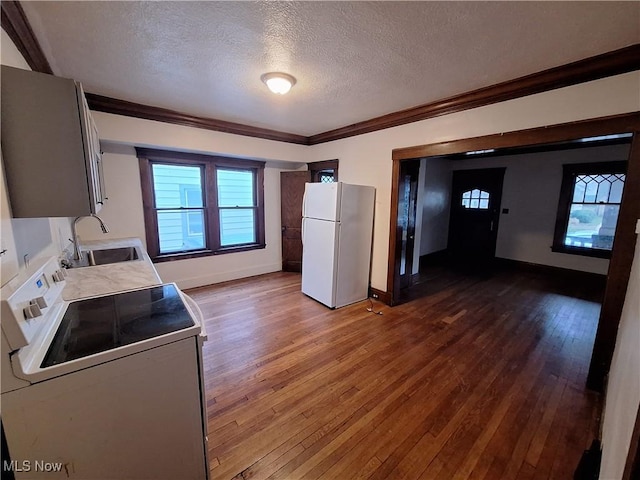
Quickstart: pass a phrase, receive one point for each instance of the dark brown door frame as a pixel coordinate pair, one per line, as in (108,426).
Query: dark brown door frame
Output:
(624,244)
(413,174)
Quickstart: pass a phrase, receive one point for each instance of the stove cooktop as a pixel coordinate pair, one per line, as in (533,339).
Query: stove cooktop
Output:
(99,324)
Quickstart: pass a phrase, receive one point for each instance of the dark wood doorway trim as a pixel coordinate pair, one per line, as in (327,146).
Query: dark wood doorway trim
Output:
(317,167)
(409,177)
(623,247)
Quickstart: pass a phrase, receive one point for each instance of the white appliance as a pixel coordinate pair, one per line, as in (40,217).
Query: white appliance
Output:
(337,229)
(102,387)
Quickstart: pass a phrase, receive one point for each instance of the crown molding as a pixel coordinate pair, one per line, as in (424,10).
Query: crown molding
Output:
(122,107)
(623,60)
(566,132)
(15,23)
(612,63)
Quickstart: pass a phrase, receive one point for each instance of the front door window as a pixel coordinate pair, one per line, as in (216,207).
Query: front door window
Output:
(475,199)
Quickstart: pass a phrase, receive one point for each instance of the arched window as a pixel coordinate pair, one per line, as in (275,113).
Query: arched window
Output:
(475,199)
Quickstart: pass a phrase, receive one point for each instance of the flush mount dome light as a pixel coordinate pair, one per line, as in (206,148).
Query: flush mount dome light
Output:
(278,82)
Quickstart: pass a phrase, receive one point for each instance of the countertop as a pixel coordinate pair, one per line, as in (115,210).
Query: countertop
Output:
(111,278)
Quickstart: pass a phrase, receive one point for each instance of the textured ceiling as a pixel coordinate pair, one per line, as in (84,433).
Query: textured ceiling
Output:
(353,60)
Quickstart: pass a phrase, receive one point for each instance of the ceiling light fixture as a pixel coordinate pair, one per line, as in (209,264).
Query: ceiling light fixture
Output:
(278,82)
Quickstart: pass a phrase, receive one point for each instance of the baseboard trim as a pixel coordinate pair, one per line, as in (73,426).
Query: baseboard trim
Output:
(432,258)
(550,269)
(589,465)
(384,297)
(185,283)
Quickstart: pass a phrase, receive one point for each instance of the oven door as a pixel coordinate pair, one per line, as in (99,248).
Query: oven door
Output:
(202,337)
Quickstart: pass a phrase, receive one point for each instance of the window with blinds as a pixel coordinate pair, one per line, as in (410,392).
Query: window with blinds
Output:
(198,205)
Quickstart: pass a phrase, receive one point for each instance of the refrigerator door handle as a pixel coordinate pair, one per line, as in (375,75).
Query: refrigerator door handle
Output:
(304,203)
(302,232)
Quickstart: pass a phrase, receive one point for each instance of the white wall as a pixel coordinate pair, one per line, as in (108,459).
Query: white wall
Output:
(124,215)
(117,129)
(623,389)
(436,203)
(366,159)
(531,191)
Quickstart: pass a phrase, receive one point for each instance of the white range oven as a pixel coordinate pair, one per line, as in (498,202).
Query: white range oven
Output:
(106,387)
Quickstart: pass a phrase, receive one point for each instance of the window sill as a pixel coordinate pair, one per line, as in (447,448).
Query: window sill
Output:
(583,251)
(170,257)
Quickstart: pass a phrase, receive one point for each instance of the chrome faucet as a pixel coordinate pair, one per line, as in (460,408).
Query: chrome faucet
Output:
(77,254)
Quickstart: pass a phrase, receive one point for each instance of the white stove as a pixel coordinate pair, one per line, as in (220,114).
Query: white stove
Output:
(103,387)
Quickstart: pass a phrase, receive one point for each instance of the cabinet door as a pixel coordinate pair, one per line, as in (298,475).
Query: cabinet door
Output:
(95,166)
(44,145)
(8,257)
(93,155)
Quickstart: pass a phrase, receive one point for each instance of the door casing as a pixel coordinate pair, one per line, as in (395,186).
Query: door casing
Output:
(292,186)
(624,244)
(406,224)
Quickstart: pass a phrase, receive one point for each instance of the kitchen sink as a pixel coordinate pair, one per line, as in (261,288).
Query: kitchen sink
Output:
(106,256)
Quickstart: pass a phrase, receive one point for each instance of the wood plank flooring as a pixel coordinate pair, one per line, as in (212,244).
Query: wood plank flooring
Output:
(481,379)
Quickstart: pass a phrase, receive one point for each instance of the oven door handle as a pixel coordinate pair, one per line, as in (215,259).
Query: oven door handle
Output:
(194,306)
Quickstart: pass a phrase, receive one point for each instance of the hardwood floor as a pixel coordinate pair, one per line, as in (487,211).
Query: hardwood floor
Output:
(482,379)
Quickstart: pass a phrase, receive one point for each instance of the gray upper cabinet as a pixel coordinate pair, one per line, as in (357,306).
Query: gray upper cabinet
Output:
(50,146)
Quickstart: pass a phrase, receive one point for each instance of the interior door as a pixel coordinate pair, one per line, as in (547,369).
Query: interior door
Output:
(291,193)
(406,226)
(475,212)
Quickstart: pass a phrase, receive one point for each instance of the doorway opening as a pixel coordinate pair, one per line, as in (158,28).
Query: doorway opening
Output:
(457,215)
(564,136)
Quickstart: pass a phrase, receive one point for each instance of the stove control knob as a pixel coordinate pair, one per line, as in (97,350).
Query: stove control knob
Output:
(60,275)
(40,302)
(31,311)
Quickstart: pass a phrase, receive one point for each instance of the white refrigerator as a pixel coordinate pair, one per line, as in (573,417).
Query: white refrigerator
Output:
(337,230)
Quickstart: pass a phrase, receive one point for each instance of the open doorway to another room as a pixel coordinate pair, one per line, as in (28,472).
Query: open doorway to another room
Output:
(521,239)
(557,209)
